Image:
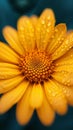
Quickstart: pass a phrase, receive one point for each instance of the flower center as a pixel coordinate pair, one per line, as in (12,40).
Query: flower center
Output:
(36,66)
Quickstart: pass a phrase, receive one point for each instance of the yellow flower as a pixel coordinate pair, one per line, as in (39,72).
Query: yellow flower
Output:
(36,68)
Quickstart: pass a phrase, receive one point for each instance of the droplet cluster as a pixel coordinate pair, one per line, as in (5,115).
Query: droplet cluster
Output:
(36,66)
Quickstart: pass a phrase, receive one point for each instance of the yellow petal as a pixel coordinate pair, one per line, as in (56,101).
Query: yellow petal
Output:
(46,113)
(6,85)
(7,54)
(26,33)
(11,36)
(12,97)
(36,96)
(57,37)
(44,28)
(64,69)
(34,20)
(64,77)
(6,73)
(65,46)
(68,91)
(66,59)
(56,97)
(24,111)
(8,65)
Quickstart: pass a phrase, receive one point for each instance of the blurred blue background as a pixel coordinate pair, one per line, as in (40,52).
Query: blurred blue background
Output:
(10,11)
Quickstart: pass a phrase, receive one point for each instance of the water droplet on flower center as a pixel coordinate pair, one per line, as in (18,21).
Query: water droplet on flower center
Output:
(36,66)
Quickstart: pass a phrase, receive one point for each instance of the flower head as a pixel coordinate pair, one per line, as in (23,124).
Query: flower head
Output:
(36,68)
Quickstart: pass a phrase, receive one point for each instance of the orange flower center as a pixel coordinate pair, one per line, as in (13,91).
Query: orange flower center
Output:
(36,66)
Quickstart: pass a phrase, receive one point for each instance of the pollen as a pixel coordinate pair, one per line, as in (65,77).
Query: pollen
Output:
(36,66)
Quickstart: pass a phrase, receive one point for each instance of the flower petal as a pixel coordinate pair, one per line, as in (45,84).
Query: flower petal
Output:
(64,76)
(68,91)
(66,59)
(24,111)
(44,28)
(65,46)
(12,97)
(46,113)
(11,36)
(6,85)
(57,37)
(64,69)
(8,65)
(7,54)
(34,20)
(56,97)
(7,73)
(36,96)
(26,33)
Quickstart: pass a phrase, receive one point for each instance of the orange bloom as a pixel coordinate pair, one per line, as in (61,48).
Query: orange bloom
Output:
(36,68)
